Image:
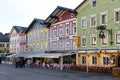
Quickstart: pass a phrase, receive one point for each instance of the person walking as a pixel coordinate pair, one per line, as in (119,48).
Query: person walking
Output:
(29,62)
(0,60)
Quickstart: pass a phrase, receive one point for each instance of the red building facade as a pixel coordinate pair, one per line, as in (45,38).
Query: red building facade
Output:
(62,31)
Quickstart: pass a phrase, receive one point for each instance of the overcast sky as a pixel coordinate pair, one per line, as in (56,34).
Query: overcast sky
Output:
(22,12)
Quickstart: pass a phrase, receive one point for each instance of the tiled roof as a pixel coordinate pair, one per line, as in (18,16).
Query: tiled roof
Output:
(40,21)
(1,34)
(57,13)
(4,38)
(19,28)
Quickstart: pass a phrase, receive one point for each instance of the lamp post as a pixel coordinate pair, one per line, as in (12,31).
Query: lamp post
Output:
(87,61)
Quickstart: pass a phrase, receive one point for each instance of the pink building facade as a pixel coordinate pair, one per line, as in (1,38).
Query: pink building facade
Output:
(22,42)
(62,31)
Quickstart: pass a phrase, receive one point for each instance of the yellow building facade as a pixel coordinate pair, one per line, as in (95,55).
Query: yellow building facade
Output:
(37,39)
(4,45)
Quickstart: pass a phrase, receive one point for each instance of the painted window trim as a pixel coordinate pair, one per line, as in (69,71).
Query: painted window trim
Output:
(82,41)
(72,15)
(104,13)
(60,34)
(82,60)
(83,18)
(92,4)
(108,61)
(67,47)
(54,33)
(117,33)
(75,22)
(67,28)
(93,35)
(94,60)
(106,34)
(116,10)
(91,21)
(60,44)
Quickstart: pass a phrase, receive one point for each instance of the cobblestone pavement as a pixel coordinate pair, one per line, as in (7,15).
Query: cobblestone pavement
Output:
(49,74)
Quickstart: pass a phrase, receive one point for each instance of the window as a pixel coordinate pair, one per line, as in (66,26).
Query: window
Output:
(83,59)
(55,46)
(105,60)
(103,19)
(93,40)
(84,41)
(94,3)
(74,27)
(60,32)
(60,46)
(67,45)
(83,23)
(118,38)
(74,30)
(93,21)
(67,30)
(105,40)
(54,33)
(117,16)
(94,60)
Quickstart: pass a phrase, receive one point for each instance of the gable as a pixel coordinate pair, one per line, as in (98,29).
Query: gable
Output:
(65,16)
(13,32)
(82,5)
(35,24)
(54,16)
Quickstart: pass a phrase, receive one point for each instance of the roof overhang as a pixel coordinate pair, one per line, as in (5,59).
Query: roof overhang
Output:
(82,5)
(56,14)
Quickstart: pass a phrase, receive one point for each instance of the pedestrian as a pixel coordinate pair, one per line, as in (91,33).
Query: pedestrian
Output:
(29,62)
(0,60)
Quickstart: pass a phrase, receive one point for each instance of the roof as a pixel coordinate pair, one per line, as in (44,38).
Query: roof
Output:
(4,38)
(19,28)
(1,34)
(56,14)
(80,4)
(40,21)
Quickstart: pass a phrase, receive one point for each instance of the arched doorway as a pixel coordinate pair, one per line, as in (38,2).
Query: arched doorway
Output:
(119,61)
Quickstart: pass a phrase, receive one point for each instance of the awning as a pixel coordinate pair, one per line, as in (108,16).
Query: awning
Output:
(47,55)
(26,55)
(44,55)
(13,55)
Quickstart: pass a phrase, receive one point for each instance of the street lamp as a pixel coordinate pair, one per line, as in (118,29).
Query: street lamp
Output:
(102,28)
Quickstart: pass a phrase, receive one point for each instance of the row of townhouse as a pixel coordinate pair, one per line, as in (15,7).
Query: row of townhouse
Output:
(90,32)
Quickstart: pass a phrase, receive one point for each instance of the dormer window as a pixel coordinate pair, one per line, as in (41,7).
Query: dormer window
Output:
(94,3)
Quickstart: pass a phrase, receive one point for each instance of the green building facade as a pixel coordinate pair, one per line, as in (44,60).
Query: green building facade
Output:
(98,25)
